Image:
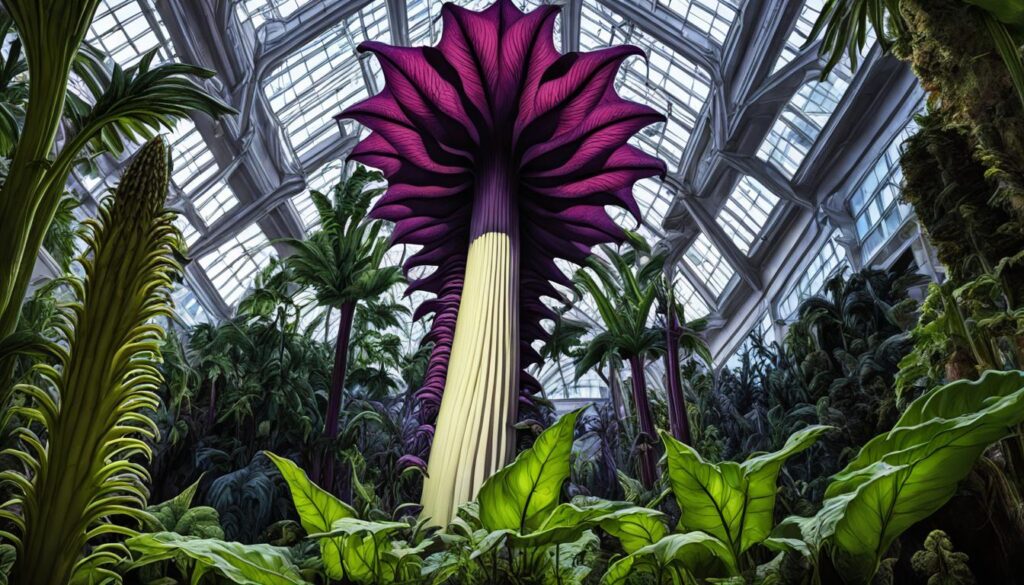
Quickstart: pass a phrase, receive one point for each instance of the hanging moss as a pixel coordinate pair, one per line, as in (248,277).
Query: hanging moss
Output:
(953,199)
(951,51)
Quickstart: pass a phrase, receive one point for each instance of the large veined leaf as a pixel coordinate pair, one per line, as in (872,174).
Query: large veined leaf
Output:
(568,521)
(904,476)
(694,555)
(245,564)
(367,554)
(318,511)
(524,493)
(732,501)
(635,531)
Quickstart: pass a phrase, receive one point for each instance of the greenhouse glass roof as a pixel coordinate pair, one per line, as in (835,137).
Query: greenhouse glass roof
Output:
(756,142)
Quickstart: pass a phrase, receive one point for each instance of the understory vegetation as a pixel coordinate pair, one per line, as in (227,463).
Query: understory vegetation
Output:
(879,440)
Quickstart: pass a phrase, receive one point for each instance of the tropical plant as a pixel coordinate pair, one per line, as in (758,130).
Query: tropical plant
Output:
(93,407)
(126,104)
(565,340)
(493,191)
(244,564)
(901,477)
(519,530)
(940,563)
(352,549)
(343,263)
(625,291)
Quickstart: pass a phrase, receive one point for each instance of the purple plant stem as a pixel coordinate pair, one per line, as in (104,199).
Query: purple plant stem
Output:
(645,420)
(336,395)
(678,423)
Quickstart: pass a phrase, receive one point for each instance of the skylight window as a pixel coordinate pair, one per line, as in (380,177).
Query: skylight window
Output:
(800,33)
(324,77)
(260,11)
(425,18)
(232,266)
(712,17)
(193,161)
(667,81)
(694,306)
(127,29)
(215,202)
(706,261)
(188,231)
(746,212)
(801,121)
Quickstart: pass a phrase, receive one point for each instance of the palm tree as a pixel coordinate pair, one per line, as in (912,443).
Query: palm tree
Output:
(565,341)
(342,262)
(625,292)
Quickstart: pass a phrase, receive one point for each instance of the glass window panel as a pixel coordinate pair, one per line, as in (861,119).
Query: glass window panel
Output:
(704,258)
(800,33)
(875,202)
(746,212)
(693,304)
(259,11)
(324,77)
(667,81)
(215,202)
(712,17)
(322,180)
(826,261)
(127,29)
(232,266)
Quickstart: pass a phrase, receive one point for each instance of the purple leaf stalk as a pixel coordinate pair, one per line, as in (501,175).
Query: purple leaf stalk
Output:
(501,155)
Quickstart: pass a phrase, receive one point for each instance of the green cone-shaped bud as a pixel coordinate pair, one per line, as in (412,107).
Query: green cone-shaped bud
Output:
(89,469)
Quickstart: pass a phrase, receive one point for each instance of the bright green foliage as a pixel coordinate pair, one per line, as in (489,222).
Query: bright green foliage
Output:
(734,502)
(940,563)
(902,477)
(7,554)
(178,515)
(244,564)
(677,558)
(318,511)
(94,405)
(371,555)
(518,507)
(522,495)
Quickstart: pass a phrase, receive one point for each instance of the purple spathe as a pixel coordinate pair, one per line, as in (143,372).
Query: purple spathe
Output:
(493,130)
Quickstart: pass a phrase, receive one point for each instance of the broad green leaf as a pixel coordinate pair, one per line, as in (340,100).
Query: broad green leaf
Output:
(904,476)
(520,496)
(1010,12)
(245,564)
(732,501)
(636,531)
(363,545)
(698,554)
(318,511)
(569,521)
(7,555)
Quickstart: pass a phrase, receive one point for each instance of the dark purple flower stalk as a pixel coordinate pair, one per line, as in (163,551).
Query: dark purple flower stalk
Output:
(501,155)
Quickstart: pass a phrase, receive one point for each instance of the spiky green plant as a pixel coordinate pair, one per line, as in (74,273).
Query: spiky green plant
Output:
(93,404)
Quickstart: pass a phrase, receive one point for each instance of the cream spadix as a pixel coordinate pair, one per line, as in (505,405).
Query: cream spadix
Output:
(500,154)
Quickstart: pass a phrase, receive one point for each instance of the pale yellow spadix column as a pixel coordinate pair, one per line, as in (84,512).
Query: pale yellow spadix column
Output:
(474,436)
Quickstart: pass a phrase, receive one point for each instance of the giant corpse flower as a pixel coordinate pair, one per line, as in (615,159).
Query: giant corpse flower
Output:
(501,155)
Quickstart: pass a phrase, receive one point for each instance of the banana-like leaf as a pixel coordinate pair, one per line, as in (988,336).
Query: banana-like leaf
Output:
(694,555)
(318,511)
(245,564)
(523,494)
(732,501)
(904,476)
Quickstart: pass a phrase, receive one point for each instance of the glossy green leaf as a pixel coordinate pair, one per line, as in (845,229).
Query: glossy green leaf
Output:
(902,477)
(695,554)
(636,531)
(732,501)
(318,511)
(520,496)
(245,564)
(569,521)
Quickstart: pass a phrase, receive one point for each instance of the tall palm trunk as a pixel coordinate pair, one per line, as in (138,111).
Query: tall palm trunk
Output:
(645,418)
(616,392)
(678,423)
(474,436)
(337,390)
